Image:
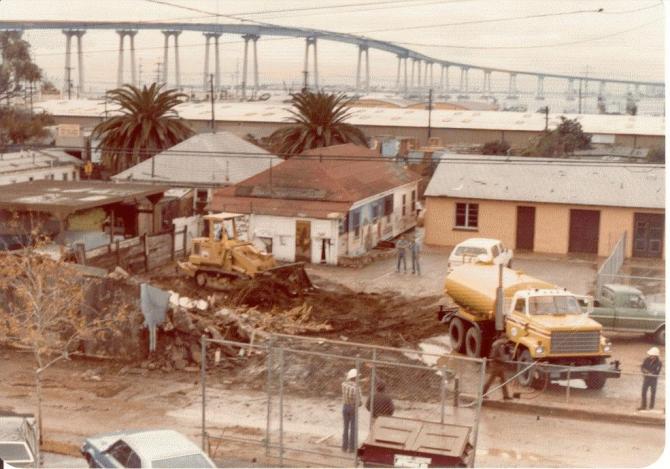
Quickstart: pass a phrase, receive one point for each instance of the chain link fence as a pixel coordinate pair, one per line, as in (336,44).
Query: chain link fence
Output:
(281,397)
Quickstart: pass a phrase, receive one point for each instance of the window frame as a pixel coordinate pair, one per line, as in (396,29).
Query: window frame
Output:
(468,208)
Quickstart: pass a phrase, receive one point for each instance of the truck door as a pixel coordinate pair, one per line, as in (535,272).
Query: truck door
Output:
(630,313)
(605,312)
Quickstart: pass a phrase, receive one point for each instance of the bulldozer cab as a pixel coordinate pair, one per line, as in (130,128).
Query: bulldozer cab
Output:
(222,226)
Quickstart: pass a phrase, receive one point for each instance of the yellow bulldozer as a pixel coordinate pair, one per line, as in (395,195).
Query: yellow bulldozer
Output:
(222,257)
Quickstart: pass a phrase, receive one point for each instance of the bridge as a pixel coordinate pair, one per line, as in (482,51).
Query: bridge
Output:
(409,76)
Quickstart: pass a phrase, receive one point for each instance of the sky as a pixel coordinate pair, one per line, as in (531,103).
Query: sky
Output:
(625,40)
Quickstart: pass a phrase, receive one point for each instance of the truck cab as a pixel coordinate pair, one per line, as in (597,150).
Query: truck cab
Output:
(623,308)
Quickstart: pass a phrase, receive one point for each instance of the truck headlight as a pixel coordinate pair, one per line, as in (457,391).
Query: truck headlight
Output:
(607,347)
(539,350)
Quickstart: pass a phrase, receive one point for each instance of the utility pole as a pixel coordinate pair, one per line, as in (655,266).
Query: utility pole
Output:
(546,118)
(68,82)
(430,111)
(211,99)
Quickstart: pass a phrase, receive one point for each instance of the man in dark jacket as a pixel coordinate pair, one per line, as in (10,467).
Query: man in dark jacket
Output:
(496,366)
(383,404)
(651,368)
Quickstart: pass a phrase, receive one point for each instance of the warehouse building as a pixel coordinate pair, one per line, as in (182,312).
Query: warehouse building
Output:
(548,205)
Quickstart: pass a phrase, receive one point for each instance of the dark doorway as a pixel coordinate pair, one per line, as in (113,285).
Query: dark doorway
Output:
(648,235)
(584,231)
(525,228)
(303,241)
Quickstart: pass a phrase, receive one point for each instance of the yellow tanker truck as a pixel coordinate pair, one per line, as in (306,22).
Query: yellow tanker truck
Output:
(543,323)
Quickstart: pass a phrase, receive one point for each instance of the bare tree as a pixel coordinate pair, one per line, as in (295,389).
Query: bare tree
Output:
(42,309)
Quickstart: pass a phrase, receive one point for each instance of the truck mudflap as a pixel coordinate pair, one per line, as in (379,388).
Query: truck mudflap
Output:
(557,372)
(445,313)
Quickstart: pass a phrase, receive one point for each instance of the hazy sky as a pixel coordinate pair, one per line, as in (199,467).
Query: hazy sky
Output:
(626,40)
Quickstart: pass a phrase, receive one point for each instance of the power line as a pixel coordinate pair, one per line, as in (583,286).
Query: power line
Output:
(559,44)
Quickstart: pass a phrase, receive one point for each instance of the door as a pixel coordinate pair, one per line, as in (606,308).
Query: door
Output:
(303,240)
(584,231)
(525,228)
(648,235)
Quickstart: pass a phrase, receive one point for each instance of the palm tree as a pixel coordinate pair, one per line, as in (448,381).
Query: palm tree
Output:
(318,121)
(147,124)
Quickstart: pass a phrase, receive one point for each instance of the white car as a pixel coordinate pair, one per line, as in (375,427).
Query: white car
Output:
(480,250)
(147,448)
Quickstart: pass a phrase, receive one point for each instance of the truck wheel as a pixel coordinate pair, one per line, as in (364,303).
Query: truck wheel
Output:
(457,334)
(595,380)
(473,343)
(659,336)
(201,279)
(526,378)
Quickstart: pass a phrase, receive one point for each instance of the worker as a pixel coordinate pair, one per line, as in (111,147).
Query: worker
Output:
(402,246)
(415,249)
(383,404)
(651,368)
(351,397)
(498,358)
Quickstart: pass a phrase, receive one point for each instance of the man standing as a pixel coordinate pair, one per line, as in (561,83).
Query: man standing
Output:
(651,368)
(496,366)
(402,246)
(351,397)
(415,248)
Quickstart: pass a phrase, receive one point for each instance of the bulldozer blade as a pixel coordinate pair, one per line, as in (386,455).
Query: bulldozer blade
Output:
(293,275)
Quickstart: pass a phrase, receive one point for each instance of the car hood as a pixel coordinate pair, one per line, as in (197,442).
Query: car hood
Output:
(567,322)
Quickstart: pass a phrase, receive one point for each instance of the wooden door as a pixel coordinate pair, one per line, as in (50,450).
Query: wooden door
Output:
(525,228)
(303,241)
(584,231)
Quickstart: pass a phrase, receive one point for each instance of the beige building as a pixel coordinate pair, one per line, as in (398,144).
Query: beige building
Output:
(548,205)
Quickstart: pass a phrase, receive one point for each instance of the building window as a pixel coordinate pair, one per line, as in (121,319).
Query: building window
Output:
(65,175)
(388,206)
(344,225)
(414,201)
(356,222)
(30,178)
(74,175)
(267,244)
(467,215)
(404,204)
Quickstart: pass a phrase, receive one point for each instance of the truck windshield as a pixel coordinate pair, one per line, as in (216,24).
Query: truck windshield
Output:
(554,305)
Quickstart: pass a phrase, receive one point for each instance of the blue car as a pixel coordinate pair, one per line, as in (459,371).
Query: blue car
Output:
(144,448)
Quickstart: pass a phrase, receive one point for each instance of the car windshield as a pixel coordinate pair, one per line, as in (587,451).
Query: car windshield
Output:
(190,460)
(468,251)
(554,305)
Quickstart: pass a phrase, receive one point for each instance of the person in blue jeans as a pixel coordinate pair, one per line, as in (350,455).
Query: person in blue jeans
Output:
(351,397)
(402,245)
(415,249)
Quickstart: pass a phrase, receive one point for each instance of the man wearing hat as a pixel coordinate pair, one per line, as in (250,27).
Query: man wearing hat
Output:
(351,397)
(651,368)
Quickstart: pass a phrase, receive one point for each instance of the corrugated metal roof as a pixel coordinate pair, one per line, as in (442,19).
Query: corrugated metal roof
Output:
(195,161)
(35,159)
(549,181)
(394,117)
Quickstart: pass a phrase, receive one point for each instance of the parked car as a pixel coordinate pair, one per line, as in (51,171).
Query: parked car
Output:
(18,440)
(624,309)
(146,448)
(482,250)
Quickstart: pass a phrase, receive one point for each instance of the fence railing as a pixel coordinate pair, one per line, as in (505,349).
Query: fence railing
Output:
(292,405)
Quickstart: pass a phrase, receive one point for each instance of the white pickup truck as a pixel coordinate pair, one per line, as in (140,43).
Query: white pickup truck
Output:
(485,250)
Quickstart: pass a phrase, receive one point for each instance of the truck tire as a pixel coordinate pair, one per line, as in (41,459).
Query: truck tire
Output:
(528,377)
(473,342)
(201,279)
(595,380)
(659,336)
(457,335)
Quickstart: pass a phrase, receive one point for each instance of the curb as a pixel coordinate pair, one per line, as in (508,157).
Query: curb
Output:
(576,413)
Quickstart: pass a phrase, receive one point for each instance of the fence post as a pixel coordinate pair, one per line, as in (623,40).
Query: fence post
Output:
(281,406)
(145,238)
(118,254)
(356,412)
(443,392)
(567,391)
(268,426)
(480,392)
(373,386)
(203,356)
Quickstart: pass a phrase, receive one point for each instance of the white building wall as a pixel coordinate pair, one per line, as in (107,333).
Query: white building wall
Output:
(282,232)
(39,174)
